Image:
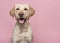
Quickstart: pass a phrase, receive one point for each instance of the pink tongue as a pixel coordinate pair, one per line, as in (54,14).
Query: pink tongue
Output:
(21,21)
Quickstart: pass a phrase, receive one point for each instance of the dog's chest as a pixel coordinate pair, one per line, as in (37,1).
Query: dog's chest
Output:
(18,35)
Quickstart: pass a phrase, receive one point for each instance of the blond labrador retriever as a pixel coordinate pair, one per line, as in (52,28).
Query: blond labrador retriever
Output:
(22,31)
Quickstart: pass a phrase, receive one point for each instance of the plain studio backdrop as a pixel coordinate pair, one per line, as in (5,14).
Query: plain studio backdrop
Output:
(45,23)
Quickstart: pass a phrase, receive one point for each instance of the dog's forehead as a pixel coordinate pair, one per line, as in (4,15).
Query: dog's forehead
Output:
(21,6)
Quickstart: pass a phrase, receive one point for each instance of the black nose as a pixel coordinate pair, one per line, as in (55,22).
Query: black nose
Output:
(21,15)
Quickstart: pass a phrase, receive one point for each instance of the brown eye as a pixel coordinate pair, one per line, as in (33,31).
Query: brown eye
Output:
(25,9)
(17,8)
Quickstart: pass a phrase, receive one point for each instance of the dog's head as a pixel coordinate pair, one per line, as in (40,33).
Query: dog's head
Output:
(22,12)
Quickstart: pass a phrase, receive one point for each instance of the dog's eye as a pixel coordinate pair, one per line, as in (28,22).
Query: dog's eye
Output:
(25,9)
(17,8)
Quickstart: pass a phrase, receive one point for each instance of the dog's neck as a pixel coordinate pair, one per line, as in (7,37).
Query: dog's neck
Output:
(24,26)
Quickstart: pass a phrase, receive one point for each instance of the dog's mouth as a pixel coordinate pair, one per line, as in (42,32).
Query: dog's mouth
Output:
(21,20)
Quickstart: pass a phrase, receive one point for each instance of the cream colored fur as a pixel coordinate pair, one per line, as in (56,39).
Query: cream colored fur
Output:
(22,33)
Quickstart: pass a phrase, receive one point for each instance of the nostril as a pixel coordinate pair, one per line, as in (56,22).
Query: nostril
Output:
(21,15)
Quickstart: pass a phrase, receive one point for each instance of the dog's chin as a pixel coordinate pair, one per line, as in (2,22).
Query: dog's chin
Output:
(21,20)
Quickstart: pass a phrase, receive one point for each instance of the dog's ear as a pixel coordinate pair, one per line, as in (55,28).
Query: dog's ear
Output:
(12,12)
(32,11)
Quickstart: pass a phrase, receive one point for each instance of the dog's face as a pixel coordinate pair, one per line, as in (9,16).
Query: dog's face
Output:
(22,12)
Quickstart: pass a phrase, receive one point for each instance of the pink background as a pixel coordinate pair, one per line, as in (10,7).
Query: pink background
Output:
(45,23)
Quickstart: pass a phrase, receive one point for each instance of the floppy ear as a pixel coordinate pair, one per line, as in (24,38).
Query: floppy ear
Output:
(32,11)
(12,12)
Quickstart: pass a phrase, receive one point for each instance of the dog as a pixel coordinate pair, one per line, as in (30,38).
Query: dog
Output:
(22,32)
